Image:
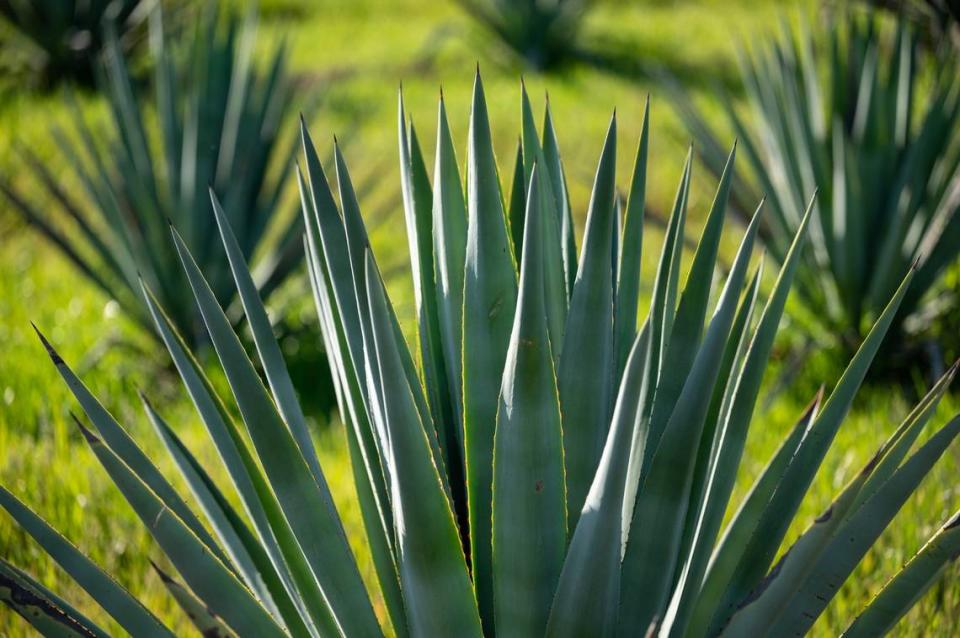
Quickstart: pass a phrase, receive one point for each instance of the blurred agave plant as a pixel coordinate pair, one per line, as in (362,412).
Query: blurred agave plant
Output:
(939,20)
(219,116)
(542,33)
(69,34)
(845,114)
(547,469)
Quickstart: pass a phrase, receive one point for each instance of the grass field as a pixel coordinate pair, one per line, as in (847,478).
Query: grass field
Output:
(355,55)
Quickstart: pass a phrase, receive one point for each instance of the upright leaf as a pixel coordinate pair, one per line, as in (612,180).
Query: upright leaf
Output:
(588,594)
(628,273)
(663,496)
(489,301)
(438,595)
(529,519)
(585,375)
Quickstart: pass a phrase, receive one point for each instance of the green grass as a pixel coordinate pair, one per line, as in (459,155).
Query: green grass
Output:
(356,54)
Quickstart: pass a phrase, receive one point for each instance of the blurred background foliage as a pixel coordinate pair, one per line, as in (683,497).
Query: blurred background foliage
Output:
(871,120)
(60,40)
(345,62)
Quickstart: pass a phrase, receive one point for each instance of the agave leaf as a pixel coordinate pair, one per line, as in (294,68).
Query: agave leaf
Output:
(517,205)
(796,565)
(115,600)
(226,596)
(339,260)
(910,584)
(532,151)
(684,338)
(267,347)
(628,272)
(799,474)
(857,534)
(555,281)
(45,611)
(529,519)
(258,499)
(663,304)
(733,440)
(438,594)
(667,272)
(449,248)
(343,246)
(554,164)
(670,261)
(365,457)
(418,207)
(588,594)
(741,527)
(694,551)
(899,443)
(585,374)
(207,623)
(443,412)
(662,498)
(362,410)
(127,449)
(489,303)
(245,552)
(306,504)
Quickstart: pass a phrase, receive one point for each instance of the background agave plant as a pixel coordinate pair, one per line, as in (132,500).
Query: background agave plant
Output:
(548,468)
(219,116)
(542,33)
(841,112)
(939,20)
(68,35)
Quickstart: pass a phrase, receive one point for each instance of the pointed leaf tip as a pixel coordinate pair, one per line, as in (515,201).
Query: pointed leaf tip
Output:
(53,354)
(164,576)
(90,437)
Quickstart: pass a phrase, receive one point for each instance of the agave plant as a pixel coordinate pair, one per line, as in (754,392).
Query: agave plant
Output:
(68,35)
(548,468)
(939,20)
(219,117)
(844,113)
(541,32)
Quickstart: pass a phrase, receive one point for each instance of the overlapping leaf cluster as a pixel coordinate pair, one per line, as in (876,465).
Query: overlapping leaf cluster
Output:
(535,464)
(861,114)
(219,114)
